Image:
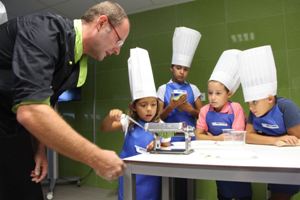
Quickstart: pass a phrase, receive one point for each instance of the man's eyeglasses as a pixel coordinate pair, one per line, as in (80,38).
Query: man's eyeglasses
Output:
(120,42)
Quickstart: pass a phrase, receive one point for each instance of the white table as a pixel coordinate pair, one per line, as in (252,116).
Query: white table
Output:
(217,161)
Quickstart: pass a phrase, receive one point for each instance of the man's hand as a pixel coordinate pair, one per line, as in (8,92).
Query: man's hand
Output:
(41,165)
(109,166)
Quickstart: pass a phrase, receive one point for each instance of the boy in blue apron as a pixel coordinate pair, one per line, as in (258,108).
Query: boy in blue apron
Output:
(180,100)
(221,114)
(272,120)
(143,109)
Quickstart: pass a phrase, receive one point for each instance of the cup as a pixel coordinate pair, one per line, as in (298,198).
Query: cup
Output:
(236,137)
(227,135)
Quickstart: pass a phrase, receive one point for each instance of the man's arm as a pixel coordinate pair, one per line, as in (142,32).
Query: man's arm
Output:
(50,129)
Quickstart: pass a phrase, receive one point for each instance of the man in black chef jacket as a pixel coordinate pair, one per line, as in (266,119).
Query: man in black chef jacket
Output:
(41,56)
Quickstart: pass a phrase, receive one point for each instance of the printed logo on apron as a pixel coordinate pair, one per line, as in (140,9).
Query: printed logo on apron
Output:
(219,124)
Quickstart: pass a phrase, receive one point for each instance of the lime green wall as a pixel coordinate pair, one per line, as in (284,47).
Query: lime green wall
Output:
(224,24)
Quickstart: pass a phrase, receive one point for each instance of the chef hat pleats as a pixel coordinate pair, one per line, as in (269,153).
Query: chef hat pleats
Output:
(258,73)
(226,70)
(141,79)
(185,42)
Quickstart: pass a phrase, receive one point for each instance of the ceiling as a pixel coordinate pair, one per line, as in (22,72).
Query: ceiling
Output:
(75,8)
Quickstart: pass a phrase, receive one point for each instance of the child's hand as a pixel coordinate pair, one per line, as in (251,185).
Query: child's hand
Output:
(115,114)
(150,146)
(287,140)
(174,103)
(221,137)
(165,144)
(217,137)
(187,107)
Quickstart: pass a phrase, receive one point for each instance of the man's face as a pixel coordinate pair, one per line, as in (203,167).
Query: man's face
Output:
(109,39)
(179,73)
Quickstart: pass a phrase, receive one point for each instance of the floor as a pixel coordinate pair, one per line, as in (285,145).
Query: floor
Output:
(73,192)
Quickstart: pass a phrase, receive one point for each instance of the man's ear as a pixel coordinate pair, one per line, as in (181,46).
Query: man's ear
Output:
(102,19)
(230,94)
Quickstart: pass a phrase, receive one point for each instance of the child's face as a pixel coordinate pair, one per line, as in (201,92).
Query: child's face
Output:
(261,107)
(217,95)
(180,73)
(146,108)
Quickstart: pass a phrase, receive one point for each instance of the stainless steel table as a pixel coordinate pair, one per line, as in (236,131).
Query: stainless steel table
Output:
(217,161)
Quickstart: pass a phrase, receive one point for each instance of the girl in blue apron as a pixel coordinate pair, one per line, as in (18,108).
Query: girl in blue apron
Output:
(143,108)
(219,115)
(136,139)
(217,121)
(147,187)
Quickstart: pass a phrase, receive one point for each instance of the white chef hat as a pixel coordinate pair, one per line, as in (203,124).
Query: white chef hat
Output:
(258,73)
(226,70)
(185,42)
(3,15)
(140,74)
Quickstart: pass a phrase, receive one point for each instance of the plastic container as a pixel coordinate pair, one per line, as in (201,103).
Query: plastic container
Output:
(176,94)
(235,137)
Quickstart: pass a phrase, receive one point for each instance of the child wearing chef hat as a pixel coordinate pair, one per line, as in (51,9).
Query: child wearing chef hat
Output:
(221,114)
(143,108)
(272,120)
(180,100)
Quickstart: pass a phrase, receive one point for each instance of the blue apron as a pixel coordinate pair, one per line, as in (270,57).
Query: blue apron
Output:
(272,124)
(177,115)
(147,187)
(216,122)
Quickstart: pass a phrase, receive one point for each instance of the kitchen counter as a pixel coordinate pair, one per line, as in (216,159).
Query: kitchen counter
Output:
(217,161)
